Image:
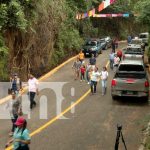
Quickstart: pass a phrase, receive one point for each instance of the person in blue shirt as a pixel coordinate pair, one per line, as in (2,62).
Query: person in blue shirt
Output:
(129,39)
(21,138)
(16,84)
(111,59)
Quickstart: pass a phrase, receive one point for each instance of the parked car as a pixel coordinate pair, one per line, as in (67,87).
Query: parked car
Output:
(136,43)
(108,42)
(144,37)
(133,54)
(92,47)
(103,44)
(130,80)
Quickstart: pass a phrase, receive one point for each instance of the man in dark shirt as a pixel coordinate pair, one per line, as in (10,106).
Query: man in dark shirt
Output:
(92,60)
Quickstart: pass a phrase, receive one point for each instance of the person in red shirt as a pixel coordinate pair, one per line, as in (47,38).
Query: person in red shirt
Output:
(119,54)
(82,71)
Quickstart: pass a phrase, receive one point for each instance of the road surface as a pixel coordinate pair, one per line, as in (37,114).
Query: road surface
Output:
(91,124)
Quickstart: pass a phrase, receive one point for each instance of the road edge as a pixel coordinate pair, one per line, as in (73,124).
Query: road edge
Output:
(43,77)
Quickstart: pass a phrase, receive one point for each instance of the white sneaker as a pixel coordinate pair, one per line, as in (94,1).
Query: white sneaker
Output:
(88,83)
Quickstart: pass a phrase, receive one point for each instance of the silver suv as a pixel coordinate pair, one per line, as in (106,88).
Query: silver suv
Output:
(130,80)
(144,37)
(133,54)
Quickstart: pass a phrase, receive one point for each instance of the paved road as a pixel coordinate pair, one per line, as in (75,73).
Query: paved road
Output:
(91,125)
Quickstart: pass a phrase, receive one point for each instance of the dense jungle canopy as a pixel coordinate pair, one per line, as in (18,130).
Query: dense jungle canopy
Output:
(36,36)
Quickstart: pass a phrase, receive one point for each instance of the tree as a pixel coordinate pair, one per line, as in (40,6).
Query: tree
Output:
(142,9)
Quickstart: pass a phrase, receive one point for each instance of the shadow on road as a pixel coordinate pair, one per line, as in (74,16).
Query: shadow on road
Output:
(131,101)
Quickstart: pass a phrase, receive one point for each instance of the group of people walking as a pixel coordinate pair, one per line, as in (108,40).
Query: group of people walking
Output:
(21,138)
(87,72)
(90,73)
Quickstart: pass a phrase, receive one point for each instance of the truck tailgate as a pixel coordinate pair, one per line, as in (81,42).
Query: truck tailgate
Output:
(130,84)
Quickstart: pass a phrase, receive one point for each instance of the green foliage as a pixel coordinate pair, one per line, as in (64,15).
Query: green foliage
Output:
(69,39)
(68,36)
(3,15)
(142,8)
(55,20)
(16,14)
(3,60)
(3,69)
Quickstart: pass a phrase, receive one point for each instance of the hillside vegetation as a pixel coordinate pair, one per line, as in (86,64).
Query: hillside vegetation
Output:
(36,36)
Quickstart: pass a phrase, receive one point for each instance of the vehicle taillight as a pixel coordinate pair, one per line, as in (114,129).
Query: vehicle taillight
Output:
(146,84)
(113,82)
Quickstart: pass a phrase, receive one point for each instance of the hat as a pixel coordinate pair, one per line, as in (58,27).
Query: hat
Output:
(20,121)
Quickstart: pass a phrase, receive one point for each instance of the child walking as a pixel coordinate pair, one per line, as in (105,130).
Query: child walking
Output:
(82,72)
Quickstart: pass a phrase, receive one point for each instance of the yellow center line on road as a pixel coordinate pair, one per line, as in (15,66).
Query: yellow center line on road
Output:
(7,98)
(57,117)
(61,114)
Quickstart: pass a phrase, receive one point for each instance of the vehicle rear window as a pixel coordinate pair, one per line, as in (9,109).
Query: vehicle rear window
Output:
(134,52)
(133,49)
(135,75)
(143,36)
(137,68)
(135,42)
(91,43)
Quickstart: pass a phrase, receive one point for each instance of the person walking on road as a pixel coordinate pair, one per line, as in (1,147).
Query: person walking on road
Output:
(76,67)
(111,59)
(129,39)
(113,45)
(104,77)
(81,57)
(116,62)
(21,138)
(82,72)
(94,79)
(92,61)
(89,74)
(14,107)
(119,54)
(88,67)
(16,84)
(33,90)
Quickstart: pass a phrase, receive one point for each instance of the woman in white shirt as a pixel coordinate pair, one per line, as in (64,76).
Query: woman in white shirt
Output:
(33,90)
(94,79)
(104,77)
(116,62)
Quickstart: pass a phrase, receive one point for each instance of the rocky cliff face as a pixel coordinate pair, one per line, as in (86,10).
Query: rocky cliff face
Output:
(32,51)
